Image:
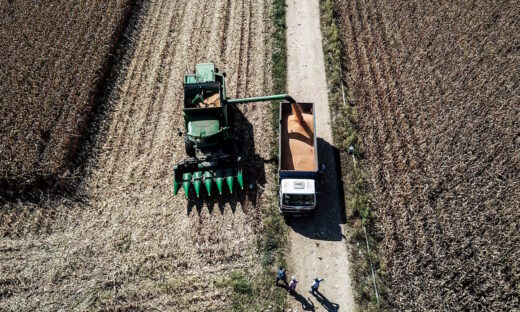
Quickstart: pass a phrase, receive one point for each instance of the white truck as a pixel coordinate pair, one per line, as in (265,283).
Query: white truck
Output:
(298,159)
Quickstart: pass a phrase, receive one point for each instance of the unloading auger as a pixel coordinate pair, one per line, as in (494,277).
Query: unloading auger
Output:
(209,139)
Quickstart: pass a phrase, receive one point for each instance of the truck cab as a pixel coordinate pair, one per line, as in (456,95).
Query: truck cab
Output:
(297,195)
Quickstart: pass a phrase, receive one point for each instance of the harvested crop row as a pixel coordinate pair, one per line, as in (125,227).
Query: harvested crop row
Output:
(437,93)
(54,54)
(129,243)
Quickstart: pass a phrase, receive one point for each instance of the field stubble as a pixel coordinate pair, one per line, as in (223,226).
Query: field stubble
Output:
(129,243)
(437,95)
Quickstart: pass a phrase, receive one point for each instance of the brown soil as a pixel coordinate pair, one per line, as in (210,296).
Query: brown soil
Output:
(298,143)
(128,242)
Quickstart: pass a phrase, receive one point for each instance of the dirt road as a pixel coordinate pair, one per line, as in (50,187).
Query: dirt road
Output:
(128,243)
(317,244)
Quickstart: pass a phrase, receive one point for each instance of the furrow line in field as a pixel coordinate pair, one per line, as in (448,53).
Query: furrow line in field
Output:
(167,145)
(248,51)
(197,35)
(212,51)
(127,96)
(401,144)
(195,41)
(224,32)
(167,55)
(189,58)
(144,146)
(399,152)
(130,74)
(266,87)
(399,103)
(203,30)
(404,201)
(353,41)
(389,157)
(239,82)
(412,156)
(231,54)
(149,85)
(138,95)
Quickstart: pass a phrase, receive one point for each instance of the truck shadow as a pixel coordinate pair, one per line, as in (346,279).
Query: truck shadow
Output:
(253,167)
(325,223)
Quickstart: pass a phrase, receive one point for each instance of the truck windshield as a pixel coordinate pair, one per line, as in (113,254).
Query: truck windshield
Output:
(298,199)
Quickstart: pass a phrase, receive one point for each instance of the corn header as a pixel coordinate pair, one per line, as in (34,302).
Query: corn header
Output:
(213,158)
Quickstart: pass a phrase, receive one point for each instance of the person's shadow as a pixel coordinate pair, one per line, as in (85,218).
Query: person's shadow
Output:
(329,306)
(307,305)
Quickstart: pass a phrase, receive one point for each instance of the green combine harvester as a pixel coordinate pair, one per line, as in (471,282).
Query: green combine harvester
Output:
(210,142)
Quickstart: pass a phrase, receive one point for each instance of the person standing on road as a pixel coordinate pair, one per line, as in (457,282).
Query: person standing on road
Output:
(292,284)
(281,276)
(315,285)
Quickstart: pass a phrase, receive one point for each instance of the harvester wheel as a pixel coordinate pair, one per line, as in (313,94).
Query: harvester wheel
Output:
(190,149)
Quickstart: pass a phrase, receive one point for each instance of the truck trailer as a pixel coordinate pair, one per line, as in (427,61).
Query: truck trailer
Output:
(297,159)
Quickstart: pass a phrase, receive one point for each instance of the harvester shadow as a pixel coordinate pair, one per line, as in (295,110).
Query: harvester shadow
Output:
(325,223)
(253,167)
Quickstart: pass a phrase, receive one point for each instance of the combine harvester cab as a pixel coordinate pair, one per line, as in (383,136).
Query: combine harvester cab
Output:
(207,135)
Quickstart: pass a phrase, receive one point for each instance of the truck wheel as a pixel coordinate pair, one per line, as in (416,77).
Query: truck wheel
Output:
(190,149)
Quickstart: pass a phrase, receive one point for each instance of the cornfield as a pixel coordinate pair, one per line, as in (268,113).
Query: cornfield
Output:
(436,86)
(54,56)
(124,241)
